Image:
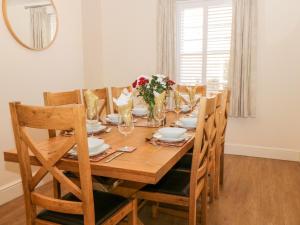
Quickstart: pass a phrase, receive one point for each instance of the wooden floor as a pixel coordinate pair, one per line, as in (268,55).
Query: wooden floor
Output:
(256,192)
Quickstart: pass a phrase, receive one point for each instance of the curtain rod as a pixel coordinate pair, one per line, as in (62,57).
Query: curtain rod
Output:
(37,6)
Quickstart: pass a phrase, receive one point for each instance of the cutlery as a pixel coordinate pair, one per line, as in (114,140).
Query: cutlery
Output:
(120,152)
(115,155)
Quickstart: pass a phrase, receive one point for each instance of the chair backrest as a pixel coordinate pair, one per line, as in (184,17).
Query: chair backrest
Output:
(103,95)
(204,140)
(62,98)
(201,89)
(59,99)
(224,114)
(60,118)
(116,92)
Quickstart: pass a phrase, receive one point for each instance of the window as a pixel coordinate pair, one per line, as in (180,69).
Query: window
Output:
(203,42)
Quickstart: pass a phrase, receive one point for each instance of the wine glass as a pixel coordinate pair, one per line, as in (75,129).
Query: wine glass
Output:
(92,118)
(125,126)
(160,113)
(177,101)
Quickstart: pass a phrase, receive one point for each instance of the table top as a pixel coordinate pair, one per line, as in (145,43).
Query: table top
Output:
(147,164)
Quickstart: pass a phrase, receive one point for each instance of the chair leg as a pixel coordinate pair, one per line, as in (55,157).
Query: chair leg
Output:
(133,217)
(212,174)
(204,203)
(193,213)
(56,189)
(217,175)
(155,208)
(222,165)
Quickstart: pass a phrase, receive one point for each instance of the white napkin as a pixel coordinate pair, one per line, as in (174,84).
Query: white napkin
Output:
(124,98)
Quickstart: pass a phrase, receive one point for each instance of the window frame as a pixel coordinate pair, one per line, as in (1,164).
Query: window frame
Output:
(185,4)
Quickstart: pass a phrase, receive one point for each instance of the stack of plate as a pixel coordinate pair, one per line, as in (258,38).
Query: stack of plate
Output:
(94,127)
(113,118)
(187,122)
(185,108)
(96,147)
(140,111)
(171,134)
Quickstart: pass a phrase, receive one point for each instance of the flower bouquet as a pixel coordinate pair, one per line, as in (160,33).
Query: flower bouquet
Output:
(150,87)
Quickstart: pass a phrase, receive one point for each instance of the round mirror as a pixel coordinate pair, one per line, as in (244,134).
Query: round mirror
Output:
(33,23)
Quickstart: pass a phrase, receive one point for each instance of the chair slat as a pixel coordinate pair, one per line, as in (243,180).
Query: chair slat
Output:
(57,205)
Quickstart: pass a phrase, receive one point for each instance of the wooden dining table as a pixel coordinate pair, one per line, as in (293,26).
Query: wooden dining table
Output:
(146,165)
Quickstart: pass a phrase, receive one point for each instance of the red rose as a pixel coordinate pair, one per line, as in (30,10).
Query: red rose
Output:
(170,82)
(134,84)
(143,81)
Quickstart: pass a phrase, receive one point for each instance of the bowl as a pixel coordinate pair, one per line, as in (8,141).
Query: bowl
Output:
(172,132)
(113,117)
(140,111)
(189,121)
(185,108)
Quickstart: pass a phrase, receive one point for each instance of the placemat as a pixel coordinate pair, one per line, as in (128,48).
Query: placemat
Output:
(155,141)
(95,158)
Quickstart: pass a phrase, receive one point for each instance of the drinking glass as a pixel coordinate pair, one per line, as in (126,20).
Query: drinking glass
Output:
(177,101)
(126,126)
(160,114)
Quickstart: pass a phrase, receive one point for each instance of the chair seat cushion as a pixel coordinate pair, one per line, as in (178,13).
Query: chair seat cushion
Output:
(175,183)
(185,163)
(106,205)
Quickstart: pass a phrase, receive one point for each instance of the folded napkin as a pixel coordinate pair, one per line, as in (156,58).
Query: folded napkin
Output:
(124,98)
(159,99)
(124,105)
(92,103)
(192,94)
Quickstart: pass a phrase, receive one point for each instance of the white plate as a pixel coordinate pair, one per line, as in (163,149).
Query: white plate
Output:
(180,124)
(95,151)
(172,132)
(95,129)
(140,113)
(162,138)
(111,121)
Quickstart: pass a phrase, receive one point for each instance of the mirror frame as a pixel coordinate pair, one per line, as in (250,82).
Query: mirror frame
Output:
(15,36)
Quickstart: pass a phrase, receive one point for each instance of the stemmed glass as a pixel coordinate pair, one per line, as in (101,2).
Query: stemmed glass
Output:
(177,101)
(125,126)
(160,113)
(92,118)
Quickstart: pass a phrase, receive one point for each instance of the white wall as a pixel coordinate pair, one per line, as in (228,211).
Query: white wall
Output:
(91,17)
(278,78)
(26,74)
(128,41)
(128,46)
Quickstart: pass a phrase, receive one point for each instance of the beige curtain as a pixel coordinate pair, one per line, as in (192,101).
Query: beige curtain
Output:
(243,57)
(166,39)
(40,27)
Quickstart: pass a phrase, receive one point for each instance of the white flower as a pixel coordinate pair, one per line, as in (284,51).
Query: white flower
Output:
(160,78)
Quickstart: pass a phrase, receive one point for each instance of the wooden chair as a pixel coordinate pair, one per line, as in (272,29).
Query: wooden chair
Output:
(223,125)
(183,188)
(59,99)
(104,96)
(81,205)
(62,98)
(116,92)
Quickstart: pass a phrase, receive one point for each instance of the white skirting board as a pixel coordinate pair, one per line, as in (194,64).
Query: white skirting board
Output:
(263,152)
(13,190)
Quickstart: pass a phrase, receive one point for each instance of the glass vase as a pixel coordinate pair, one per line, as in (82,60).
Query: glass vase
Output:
(151,120)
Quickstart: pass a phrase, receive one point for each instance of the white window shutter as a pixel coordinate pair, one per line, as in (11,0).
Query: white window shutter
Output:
(203,46)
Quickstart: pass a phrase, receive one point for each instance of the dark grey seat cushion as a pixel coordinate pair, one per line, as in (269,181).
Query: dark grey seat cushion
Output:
(185,163)
(175,183)
(106,205)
